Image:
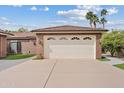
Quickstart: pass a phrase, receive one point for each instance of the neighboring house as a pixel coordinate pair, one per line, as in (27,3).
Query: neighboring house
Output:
(3,43)
(68,42)
(22,42)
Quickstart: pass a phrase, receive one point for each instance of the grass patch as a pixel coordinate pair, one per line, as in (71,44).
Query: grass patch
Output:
(121,66)
(103,59)
(17,56)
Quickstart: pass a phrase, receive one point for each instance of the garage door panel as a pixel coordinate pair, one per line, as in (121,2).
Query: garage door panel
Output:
(72,42)
(71,51)
(60,49)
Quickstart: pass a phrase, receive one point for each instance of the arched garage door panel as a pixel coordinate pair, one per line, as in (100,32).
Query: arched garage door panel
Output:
(68,48)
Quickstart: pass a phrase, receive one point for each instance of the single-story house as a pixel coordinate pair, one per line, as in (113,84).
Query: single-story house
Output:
(3,43)
(22,42)
(69,42)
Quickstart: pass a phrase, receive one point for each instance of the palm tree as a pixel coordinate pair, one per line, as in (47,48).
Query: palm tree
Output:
(92,18)
(95,20)
(89,16)
(104,12)
(103,20)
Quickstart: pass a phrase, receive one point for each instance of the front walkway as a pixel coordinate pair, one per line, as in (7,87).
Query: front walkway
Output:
(62,74)
(114,60)
(5,64)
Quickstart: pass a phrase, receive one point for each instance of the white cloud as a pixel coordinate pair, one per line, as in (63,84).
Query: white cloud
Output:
(93,8)
(116,22)
(33,8)
(80,12)
(112,10)
(3,18)
(4,21)
(73,14)
(46,9)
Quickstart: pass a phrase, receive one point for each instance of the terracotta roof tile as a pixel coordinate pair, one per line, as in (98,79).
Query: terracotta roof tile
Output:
(22,36)
(68,28)
(2,32)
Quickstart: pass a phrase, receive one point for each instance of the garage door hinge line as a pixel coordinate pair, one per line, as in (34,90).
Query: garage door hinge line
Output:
(50,74)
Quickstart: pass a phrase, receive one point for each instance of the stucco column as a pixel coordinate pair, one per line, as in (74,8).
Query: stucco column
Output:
(98,46)
(39,46)
(3,46)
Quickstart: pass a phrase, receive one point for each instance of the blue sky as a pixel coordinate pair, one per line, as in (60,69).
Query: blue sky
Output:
(34,16)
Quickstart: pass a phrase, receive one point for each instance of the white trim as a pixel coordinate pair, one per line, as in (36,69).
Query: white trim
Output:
(95,48)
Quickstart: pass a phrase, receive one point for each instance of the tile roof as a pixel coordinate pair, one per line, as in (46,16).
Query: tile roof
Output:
(2,32)
(22,36)
(69,28)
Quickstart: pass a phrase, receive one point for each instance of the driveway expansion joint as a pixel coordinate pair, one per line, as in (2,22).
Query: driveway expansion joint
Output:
(50,74)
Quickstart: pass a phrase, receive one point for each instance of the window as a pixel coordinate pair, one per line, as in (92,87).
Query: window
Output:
(75,38)
(87,38)
(63,38)
(15,47)
(51,38)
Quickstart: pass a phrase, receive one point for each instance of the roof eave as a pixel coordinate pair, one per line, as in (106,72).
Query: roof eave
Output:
(5,34)
(105,30)
(71,32)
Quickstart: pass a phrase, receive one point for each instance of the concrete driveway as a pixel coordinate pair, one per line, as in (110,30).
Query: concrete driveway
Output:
(5,64)
(62,74)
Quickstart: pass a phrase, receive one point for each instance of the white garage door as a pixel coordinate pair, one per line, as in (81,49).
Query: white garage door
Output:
(69,46)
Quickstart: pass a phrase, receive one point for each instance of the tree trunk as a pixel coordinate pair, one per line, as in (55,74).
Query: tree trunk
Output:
(94,24)
(91,25)
(103,25)
(112,53)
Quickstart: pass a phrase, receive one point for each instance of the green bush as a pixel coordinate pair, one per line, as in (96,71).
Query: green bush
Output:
(112,42)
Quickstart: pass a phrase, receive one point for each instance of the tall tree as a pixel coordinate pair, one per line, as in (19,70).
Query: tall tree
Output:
(103,20)
(22,30)
(89,16)
(93,19)
(104,12)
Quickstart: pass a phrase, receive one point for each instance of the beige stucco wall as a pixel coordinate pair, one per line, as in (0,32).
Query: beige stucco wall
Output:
(3,46)
(98,46)
(40,44)
(28,47)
